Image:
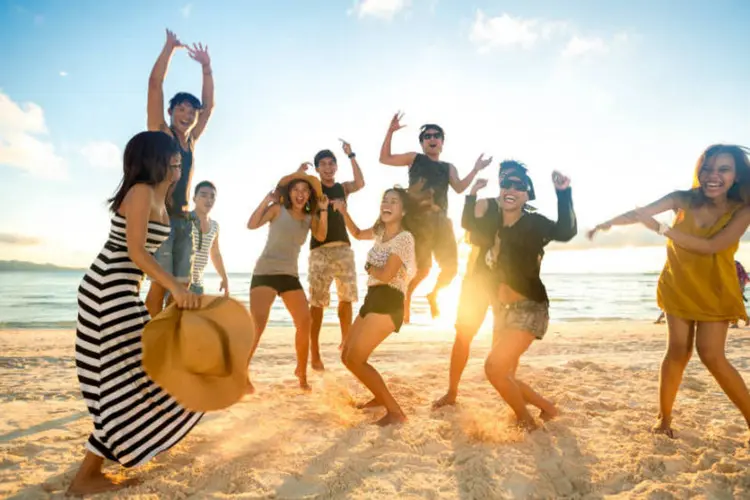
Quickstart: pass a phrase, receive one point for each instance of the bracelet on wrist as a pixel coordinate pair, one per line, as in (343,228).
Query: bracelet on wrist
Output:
(352,155)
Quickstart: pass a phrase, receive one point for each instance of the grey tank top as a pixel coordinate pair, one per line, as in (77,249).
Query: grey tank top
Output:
(286,235)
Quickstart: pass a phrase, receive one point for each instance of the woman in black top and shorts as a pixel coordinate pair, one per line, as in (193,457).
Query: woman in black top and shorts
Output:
(391,264)
(522,313)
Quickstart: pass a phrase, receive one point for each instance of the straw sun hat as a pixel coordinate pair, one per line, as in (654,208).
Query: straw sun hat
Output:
(200,356)
(313,181)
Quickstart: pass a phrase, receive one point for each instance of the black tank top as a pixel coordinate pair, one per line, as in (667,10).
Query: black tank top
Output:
(336,224)
(180,192)
(436,175)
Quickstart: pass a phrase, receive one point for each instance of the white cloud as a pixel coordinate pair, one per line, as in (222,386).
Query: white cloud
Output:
(504,32)
(102,154)
(581,46)
(63,73)
(382,9)
(19,148)
(186,10)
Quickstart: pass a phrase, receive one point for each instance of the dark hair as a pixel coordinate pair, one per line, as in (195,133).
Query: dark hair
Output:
(145,161)
(430,126)
(409,207)
(509,165)
(203,184)
(326,153)
(181,97)
(312,202)
(740,190)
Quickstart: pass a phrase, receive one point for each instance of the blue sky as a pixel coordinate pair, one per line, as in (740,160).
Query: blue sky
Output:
(621,95)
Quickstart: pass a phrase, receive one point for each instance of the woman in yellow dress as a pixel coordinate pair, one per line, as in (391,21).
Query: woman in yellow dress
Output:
(698,287)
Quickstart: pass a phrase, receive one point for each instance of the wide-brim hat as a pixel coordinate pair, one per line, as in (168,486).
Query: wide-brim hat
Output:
(310,179)
(200,356)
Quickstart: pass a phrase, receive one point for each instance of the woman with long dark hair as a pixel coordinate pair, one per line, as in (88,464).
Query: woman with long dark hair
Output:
(296,207)
(134,419)
(391,264)
(521,313)
(698,288)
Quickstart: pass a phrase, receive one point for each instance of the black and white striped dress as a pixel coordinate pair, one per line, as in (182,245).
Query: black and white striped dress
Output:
(134,419)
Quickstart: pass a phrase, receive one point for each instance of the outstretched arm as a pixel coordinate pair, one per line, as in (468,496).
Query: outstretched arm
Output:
(360,234)
(358,181)
(459,185)
(200,54)
(155,107)
(722,240)
(267,211)
(474,209)
(388,158)
(672,201)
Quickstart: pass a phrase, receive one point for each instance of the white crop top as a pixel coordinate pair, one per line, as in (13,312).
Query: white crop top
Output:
(402,245)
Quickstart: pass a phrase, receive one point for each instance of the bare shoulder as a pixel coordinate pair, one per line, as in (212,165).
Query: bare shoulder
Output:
(140,193)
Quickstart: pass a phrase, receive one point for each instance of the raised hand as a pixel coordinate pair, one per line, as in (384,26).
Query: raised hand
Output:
(479,184)
(560,181)
(346,147)
(339,205)
(172,40)
(200,53)
(482,163)
(323,203)
(303,167)
(396,122)
(600,227)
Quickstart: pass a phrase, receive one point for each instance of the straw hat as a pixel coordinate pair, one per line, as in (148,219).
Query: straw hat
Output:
(200,356)
(312,180)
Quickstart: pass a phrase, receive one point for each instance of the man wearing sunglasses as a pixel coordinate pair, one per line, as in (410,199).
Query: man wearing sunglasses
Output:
(428,174)
(480,220)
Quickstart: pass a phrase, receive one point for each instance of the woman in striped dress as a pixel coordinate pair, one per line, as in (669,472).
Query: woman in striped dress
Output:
(134,419)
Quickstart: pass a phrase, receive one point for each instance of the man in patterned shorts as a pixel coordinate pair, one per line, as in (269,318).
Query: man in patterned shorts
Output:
(332,259)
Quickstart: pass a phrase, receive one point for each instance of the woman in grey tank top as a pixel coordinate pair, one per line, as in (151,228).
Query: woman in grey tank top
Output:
(294,208)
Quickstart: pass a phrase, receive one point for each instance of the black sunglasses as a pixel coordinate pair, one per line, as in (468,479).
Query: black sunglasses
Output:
(429,135)
(514,184)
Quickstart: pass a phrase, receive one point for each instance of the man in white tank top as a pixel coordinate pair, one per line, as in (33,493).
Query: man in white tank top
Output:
(206,239)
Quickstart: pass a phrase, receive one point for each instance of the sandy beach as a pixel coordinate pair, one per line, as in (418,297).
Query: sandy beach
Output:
(281,443)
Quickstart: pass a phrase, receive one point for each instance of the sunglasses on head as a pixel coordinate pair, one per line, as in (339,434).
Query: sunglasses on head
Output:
(517,185)
(432,135)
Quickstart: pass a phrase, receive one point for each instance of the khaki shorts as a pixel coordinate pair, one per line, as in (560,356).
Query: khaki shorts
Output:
(526,315)
(327,264)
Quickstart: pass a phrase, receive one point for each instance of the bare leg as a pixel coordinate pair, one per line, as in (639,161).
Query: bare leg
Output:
(500,369)
(345,320)
(155,299)
(446,255)
(681,335)
(459,358)
(366,334)
(90,479)
(413,284)
(710,343)
(261,300)
(316,316)
(296,303)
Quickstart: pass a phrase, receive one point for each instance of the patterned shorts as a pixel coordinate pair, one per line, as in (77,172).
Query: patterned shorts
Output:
(327,264)
(526,315)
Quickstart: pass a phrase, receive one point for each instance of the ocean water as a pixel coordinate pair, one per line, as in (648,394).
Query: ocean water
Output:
(48,299)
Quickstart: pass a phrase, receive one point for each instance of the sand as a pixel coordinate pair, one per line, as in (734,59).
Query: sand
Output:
(281,443)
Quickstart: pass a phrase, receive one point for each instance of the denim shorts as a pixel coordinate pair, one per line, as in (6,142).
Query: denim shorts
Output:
(526,315)
(175,255)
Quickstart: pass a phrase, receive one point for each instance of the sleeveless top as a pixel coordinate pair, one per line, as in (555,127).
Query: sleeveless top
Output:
(436,175)
(336,225)
(700,287)
(202,243)
(402,245)
(179,193)
(286,235)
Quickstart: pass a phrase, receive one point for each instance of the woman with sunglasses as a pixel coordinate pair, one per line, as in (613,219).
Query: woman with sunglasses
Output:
(522,308)
(698,288)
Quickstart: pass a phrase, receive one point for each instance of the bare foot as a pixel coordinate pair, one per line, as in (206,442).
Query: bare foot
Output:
(317,365)
(663,427)
(546,416)
(391,419)
(432,300)
(449,399)
(527,425)
(373,403)
(301,374)
(97,483)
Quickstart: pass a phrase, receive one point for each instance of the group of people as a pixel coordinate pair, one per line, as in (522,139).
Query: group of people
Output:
(154,233)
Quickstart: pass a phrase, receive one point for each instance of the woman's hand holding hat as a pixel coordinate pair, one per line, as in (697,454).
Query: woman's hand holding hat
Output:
(185,299)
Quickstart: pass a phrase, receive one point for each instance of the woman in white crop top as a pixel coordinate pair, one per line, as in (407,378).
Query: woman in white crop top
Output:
(391,264)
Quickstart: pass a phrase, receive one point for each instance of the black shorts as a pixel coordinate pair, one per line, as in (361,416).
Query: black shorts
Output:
(384,299)
(280,282)
(439,240)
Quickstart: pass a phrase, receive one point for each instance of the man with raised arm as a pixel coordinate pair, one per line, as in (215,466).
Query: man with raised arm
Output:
(187,121)
(428,173)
